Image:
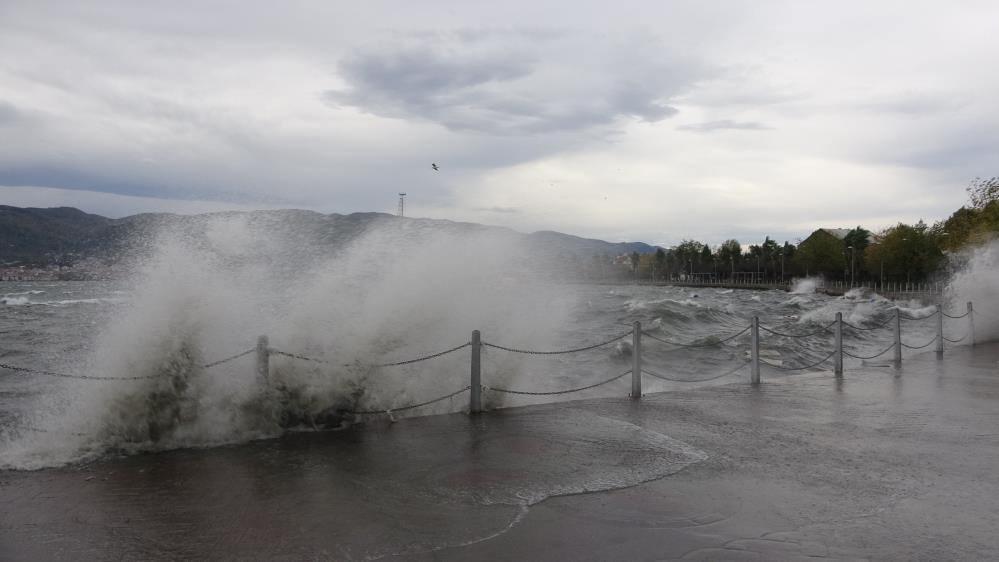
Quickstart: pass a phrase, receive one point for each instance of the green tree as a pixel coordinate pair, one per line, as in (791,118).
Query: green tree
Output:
(821,253)
(975,224)
(707,260)
(688,254)
(770,254)
(983,192)
(906,253)
(859,240)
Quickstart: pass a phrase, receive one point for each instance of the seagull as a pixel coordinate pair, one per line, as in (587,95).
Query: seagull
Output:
(434,166)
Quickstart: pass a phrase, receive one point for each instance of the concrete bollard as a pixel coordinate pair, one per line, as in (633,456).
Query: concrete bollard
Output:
(263,361)
(971,323)
(475,382)
(636,361)
(754,374)
(838,356)
(940,340)
(898,339)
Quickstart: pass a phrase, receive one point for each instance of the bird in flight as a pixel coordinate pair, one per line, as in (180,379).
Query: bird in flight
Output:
(434,166)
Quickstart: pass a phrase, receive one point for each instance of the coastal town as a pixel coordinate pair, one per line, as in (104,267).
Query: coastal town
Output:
(84,270)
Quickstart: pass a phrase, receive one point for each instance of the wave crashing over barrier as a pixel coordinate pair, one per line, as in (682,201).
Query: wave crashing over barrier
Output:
(387,296)
(394,291)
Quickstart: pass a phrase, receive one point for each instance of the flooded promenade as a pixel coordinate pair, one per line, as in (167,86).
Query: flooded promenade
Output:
(879,465)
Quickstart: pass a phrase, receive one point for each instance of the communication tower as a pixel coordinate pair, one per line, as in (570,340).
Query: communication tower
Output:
(402,203)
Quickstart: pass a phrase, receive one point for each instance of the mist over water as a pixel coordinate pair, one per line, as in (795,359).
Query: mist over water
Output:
(393,292)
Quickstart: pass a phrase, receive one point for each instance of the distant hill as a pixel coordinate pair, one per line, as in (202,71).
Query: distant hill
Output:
(43,235)
(64,235)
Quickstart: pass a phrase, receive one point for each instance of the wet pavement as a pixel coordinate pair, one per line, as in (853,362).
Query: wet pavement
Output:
(877,465)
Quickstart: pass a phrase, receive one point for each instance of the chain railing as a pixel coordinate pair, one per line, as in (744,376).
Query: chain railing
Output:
(801,368)
(558,352)
(822,330)
(868,357)
(711,343)
(868,329)
(263,352)
(708,379)
(390,411)
(557,392)
(924,346)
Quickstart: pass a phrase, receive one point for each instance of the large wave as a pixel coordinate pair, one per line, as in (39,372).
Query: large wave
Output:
(392,293)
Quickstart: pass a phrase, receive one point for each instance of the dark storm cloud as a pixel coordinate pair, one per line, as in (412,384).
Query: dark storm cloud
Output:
(467,82)
(77,177)
(724,125)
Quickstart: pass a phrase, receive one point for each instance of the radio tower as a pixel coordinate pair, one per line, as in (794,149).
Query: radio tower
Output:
(402,203)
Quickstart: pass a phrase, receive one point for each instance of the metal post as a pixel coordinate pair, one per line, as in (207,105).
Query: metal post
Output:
(755,352)
(971,323)
(940,340)
(838,357)
(475,394)
(636,361)
(263,361)
(898,339)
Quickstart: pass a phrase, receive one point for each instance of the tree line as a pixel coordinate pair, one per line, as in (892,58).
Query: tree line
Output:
(900,253)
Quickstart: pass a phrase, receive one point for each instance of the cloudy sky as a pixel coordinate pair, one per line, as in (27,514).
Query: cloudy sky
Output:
(650,121)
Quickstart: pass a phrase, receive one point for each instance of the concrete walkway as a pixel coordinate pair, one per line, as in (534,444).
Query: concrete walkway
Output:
(877,465)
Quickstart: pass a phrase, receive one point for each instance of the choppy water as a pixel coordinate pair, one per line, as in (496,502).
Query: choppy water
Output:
(66,326)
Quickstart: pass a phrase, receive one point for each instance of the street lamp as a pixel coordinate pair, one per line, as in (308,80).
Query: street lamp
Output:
(852,271)
(907,260)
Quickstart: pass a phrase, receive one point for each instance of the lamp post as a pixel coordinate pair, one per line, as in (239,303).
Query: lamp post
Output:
(691,262)
(907,261)
(852,270)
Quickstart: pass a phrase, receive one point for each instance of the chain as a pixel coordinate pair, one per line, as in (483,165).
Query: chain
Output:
(907,346)
(815,333)
(782,368)
(65,376)
(426,357)
(956,317)
(294,356)
(388,411)
(904,317)
(709,344)
(877,327)
(665,378)
(561,352)
(890,347)
(554,392)
(227,359)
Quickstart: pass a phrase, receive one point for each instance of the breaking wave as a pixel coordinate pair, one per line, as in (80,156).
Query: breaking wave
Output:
(389,294)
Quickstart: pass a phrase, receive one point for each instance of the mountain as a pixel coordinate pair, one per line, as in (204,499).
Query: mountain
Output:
(64,235)
(44,235)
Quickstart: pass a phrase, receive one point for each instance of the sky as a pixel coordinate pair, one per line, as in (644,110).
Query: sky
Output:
(653,121)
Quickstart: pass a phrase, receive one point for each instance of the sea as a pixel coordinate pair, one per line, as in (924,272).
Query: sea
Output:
(112,368)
